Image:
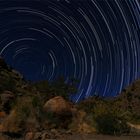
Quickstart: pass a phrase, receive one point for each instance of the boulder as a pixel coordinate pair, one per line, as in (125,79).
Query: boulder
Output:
(134,128)
(57,105)
(29,136)
(58,111)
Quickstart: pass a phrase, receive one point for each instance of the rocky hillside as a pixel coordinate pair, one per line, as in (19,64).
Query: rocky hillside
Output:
(119,115)
(33,109)
(37,111)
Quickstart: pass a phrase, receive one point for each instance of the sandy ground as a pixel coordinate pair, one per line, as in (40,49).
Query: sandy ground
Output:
(100,137)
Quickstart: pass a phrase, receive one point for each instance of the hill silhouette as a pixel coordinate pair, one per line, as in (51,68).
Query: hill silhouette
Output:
(42,109)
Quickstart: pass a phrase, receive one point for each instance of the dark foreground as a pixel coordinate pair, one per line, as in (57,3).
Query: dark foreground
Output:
(81,137)
(100,137)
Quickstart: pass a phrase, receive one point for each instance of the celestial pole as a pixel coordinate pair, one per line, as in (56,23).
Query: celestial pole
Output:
(94,41)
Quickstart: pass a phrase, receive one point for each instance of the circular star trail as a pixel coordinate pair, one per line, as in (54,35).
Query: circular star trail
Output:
(94,41)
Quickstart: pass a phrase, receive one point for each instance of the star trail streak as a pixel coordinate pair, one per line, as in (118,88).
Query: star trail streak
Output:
(94,41)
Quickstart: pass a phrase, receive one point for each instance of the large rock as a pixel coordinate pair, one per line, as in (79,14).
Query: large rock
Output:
(57,105)
(134,128)
(59,113)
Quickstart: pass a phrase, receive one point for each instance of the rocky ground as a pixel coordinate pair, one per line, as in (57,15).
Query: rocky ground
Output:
(100,137)
(81,137)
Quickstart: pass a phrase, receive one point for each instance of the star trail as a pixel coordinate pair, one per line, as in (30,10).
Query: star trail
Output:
(94,41)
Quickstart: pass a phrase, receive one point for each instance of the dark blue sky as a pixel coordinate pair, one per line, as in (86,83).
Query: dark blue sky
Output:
(95,41)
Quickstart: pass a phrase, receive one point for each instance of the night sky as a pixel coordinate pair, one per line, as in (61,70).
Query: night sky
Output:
(94,41)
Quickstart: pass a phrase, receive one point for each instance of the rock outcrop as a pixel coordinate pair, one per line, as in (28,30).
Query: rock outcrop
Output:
(57,105)
(58,112)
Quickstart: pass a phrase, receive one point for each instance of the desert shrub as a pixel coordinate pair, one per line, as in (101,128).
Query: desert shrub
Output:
(57,87)
(129,96)
(87,106)
(35,101)
(110,124)
(42,85)
(23,112)
(7,83)
(67,88)
(37,105)
(135,118)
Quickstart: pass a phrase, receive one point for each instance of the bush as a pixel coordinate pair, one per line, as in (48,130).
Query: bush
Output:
(23,112)
(36,102)
(7,81)
(110,124)
(129,96)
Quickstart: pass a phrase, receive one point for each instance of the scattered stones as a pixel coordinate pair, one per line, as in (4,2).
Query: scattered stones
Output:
(37,136)
(29,136)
